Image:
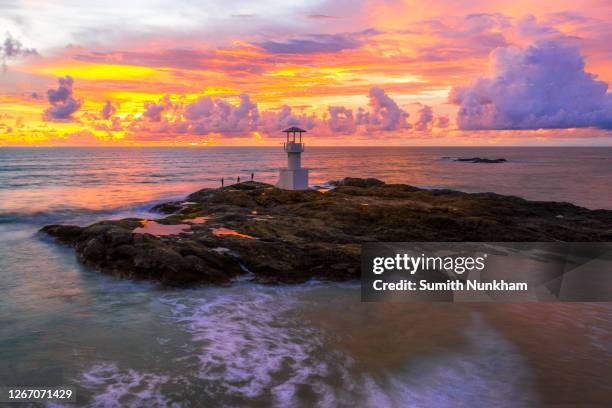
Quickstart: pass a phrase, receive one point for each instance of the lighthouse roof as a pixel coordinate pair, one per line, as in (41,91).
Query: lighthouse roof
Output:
(294,129)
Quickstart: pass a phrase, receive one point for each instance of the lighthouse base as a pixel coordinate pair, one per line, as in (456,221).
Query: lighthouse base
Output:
(289,179)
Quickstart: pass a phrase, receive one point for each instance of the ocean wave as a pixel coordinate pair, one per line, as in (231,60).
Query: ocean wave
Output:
(79,215)
(114,387)
(252,346)
(36,217)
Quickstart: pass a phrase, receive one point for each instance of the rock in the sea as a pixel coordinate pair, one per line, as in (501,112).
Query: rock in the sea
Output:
(480,160)
(282,236)
(67,234)
(357,182)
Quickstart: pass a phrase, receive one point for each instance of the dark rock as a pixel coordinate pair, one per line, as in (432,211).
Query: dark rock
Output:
(207,194)
(357,182)
(203,195)
(299,235)
(480,160)
(67,234)
(119,236)
(248,185)
(92,250)
(125,251)
(168,208)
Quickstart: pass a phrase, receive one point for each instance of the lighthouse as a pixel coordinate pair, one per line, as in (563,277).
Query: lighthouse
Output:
(293,177)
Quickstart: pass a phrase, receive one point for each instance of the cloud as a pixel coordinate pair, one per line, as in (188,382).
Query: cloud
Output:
(206,115)
(201,108)
(529,27)
(427,120)
(12,48)
(319,43)
(424,118)
(466,26)
(63,103)
(541,86)
(341,120)
(223,117)
(115,125)
(63,91)
(483,22)
(442,122)
(321,17)
(108,110)
(153,111)
(219,60)
(200,117)
(384,113)
(460,37)
(273,123)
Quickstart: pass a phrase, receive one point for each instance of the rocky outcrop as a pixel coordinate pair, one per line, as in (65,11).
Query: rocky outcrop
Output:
(357,182)
(281,236)
(480,160)
(168,208)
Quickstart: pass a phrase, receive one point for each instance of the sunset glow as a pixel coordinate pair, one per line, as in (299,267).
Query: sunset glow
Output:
(366,73)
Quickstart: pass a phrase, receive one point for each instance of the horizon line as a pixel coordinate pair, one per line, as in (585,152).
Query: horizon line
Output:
(273,146)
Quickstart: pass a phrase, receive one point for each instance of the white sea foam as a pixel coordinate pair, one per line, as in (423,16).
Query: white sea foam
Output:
(113,387)
(251,344)
(245,340)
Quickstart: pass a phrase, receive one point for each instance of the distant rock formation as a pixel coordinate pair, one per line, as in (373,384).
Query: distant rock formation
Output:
(479,160)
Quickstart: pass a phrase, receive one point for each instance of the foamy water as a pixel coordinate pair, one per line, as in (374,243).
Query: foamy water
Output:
(123,343)
(249,345)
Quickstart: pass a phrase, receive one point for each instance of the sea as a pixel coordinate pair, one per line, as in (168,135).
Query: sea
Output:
(122,343)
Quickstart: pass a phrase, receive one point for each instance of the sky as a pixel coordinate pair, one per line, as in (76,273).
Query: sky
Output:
(233,72)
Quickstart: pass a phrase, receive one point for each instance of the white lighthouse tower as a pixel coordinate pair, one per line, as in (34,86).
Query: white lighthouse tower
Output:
(293,177)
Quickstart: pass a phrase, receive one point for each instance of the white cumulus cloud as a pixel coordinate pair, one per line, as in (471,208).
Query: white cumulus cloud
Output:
(541,86)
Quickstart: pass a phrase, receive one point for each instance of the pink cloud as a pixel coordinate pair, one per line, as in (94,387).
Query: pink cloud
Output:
(63,103)
(108,110)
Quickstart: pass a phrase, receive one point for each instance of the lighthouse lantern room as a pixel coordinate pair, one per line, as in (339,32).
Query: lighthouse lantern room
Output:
(293,177)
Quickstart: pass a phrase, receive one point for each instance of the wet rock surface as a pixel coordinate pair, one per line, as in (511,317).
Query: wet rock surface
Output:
(280,236)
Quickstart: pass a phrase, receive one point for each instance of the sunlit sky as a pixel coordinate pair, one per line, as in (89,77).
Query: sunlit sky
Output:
(202,73)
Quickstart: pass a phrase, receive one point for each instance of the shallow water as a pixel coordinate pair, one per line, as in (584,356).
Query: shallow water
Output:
(125,343)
